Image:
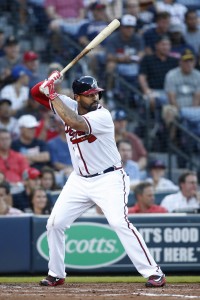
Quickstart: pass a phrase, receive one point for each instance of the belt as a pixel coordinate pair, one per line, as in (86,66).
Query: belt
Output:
(103,172)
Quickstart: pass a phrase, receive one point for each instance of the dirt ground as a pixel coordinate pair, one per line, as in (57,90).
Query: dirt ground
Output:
(100,291)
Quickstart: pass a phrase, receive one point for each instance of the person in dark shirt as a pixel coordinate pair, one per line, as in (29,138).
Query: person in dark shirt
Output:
(152,73)
(151,35)
(89,30)
(31,180)
(124,51)
(40,203)
(35,150)
(153,69)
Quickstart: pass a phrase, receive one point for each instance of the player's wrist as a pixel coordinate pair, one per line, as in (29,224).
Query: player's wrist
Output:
(53,96)
(55,76)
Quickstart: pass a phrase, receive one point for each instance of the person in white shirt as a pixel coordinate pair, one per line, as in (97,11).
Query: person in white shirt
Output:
(176,10)
(6,120)
(17,91)
(157,177)
(187,198)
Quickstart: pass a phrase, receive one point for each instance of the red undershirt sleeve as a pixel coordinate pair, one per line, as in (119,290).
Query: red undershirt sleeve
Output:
(39,97)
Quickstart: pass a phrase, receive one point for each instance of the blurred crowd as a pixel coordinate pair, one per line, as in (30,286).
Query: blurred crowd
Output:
(156,50)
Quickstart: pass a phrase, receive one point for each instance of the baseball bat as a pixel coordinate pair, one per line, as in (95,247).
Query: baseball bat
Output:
(95,42)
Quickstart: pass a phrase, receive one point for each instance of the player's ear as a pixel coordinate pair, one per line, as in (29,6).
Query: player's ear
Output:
(76,97)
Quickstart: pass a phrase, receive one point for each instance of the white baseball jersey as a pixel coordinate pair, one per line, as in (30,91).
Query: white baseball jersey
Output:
(95,151)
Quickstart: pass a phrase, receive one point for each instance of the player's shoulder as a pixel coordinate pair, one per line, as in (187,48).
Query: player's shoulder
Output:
(104,111)
(68,100)
(100,113)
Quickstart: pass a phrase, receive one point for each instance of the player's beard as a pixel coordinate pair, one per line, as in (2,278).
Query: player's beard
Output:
(93,106)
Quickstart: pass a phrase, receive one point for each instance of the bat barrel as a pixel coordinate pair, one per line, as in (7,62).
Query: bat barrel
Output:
(95,42)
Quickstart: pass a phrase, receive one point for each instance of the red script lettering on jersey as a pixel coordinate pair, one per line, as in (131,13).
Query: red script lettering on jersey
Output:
(79,136)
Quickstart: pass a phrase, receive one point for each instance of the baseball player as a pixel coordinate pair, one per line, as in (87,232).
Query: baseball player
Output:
(98,177)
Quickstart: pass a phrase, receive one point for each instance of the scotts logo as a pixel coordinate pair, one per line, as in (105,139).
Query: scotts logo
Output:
(87,246)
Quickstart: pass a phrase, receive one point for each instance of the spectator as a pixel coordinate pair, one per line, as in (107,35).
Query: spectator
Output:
(40,204)
(11,58)
(2,177)
(68,15)
(153,70)
(91,28)
(31,108)
(144,194)
(187,198)
(182,87)
(6,120)
(9,198)
(132,7)
(31,180)
(147,12)
(89,31)
(60,156)
(39,18)
(5,208)
(33,149)
(18,91)
(130,166)
(120,120)
(124,51)
(178,43)
(12,163)
(192,30)
(47,126)
(31,62)
(152,35)
(113,9)
(48,179)
(176,10)
(157,177)
(2,41)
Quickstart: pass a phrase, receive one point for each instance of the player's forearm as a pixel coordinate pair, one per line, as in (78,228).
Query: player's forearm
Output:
(70,117)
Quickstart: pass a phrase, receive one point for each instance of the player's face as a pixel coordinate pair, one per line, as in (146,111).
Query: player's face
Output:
(87,103)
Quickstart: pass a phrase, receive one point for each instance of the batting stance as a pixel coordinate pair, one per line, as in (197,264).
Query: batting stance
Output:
(98,177)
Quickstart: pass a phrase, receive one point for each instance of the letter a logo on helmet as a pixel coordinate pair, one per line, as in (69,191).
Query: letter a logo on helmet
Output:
(86,85)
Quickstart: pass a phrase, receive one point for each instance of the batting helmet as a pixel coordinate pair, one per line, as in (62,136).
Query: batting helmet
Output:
(86,85)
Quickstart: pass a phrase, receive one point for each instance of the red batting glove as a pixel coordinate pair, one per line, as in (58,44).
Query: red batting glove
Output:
(56,76)
(47,88)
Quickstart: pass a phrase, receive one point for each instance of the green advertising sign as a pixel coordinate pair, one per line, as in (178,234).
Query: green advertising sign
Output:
(87,246)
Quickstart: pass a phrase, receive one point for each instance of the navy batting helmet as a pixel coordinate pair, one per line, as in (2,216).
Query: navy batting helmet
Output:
(86,85)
